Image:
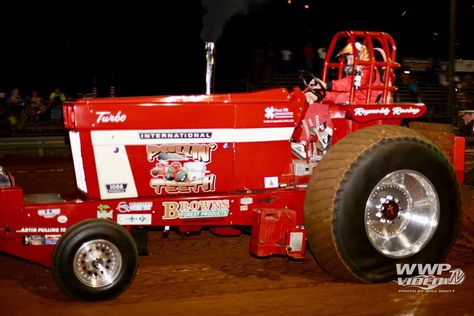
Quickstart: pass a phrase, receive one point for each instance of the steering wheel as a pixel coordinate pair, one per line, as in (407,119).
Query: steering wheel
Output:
(315,85)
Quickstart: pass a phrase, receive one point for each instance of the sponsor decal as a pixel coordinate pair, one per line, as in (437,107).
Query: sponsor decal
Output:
(62,219)
(125,207)
(395,111)
(175,135)
(271,182)
(181,168)
(427,277)
(365,112)
(107,117)
(116,187)
(206,184)
(104,211)
(278,115)
(400,111)
(39,240)
(41,230)
(246,200)
(296,241)
(199,152)
(134,219)
(49,213)
(195,209)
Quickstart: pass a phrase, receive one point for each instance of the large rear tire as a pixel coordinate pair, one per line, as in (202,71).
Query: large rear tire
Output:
(382,195)
(95,260)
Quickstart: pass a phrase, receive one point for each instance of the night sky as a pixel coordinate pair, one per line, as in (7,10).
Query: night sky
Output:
(157,47)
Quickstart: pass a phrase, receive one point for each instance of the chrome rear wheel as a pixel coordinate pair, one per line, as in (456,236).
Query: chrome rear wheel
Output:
(401,213)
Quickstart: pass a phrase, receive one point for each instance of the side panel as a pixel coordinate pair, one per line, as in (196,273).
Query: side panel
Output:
(265,156)
(75,142)
(133,163)
(261,165)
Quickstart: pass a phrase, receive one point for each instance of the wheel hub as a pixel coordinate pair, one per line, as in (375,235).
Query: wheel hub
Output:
(390,209)
(401,213)
(97,263)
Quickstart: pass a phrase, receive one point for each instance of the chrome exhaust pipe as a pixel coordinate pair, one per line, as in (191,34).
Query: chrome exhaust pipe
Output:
(210,65)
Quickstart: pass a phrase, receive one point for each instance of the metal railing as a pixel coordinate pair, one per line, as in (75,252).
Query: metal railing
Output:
(37,146)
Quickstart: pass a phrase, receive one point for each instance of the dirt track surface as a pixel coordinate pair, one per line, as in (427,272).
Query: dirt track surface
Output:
(208,275)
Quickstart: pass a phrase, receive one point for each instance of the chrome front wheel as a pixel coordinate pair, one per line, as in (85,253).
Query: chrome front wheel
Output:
(97,263)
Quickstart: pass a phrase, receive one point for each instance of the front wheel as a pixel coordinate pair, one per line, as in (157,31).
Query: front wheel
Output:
(95,260)
(381,196)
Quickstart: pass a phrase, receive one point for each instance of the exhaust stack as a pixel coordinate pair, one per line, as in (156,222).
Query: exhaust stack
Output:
(210,64)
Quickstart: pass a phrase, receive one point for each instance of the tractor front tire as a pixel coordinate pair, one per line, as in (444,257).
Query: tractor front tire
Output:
(95,260)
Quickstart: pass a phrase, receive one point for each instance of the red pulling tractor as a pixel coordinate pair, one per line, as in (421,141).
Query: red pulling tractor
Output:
(369,192)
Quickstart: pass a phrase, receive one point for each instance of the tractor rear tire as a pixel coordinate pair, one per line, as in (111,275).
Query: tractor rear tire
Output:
(95,260)
(383,195)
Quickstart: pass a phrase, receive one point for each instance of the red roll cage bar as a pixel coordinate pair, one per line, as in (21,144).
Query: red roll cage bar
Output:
(385,64)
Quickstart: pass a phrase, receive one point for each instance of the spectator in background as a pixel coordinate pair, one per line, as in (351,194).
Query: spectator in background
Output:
(14,106)
(270,62)
(34,108)
(15,101)
(35,105)
(286,56)
(321,55)
(411,84)
(56,99)
(413,89)
(308,56)
(467,82)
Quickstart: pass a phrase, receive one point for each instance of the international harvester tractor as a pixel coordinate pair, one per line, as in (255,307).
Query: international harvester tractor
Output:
(347,181)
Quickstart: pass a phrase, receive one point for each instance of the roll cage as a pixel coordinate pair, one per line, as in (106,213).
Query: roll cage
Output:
(382,54)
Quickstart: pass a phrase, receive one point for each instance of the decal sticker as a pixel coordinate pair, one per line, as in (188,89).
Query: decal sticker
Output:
(39,240)
(367,113)
(195,209)
(199,152)
(271,182)
(49,213)
(41,230)
(278,115)
(317,134)
(62,219)
(296,241)
(116,187)
(175,135)
(246,200)
(108,117)
(181,168)
(134,219)
(104,211)
(124,207)
(33,240)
